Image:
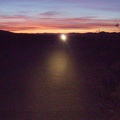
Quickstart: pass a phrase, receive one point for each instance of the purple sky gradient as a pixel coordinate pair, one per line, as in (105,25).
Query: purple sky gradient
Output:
(59,15)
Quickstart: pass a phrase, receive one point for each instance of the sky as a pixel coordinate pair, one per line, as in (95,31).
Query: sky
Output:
(59,16)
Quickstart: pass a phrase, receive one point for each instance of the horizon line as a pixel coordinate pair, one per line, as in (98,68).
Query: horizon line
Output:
(58,32)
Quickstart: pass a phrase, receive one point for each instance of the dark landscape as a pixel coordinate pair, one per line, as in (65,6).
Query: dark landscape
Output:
(44,78)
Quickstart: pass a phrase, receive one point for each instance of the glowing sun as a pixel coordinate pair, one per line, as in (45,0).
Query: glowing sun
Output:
(63,37)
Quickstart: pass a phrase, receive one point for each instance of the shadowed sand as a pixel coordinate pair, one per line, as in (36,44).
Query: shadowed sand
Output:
(47,80)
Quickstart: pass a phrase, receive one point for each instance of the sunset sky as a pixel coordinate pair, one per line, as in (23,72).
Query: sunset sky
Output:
(59,16)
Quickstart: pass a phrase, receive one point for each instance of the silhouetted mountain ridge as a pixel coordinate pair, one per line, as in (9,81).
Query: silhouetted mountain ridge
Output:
(5,32)
(86,37)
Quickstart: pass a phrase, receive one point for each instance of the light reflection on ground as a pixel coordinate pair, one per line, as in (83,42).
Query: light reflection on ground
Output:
(58,66)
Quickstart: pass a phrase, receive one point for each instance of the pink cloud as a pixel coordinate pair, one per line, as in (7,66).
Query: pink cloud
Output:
(28,23)
(13,17)
(49,14)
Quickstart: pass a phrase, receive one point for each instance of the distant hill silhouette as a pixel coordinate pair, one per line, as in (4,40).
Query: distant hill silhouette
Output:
(102,32)
(5,32)
(90,38)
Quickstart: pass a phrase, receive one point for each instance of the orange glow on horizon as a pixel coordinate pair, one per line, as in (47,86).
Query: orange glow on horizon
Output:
(56,25)
(65,31)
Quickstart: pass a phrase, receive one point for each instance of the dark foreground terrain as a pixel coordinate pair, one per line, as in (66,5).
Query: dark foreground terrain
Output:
(43,78)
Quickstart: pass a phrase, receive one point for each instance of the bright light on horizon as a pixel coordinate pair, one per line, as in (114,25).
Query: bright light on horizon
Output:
(63,37)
